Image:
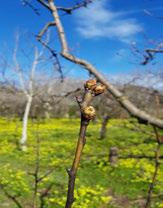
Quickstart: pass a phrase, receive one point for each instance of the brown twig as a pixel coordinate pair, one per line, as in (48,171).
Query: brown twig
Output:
(87,113)
(157,164)
(38,179)
(11,197)
(36,174)
(44,194)
(52,51)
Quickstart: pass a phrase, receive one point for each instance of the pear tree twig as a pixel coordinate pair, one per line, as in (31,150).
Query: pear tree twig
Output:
(156,168)
(87,113)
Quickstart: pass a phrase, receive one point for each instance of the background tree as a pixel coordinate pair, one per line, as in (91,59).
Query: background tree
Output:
(22,73)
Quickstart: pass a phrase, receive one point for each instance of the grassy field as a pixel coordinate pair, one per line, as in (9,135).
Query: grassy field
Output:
(98,184)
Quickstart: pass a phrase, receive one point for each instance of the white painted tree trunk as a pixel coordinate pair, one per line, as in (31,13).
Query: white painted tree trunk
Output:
(23,139)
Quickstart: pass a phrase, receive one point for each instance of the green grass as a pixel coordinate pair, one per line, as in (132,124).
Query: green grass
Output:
(98,184)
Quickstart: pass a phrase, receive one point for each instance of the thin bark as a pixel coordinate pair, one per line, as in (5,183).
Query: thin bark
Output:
(157,164)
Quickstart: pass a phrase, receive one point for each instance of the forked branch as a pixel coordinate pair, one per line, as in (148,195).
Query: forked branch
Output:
(123,100)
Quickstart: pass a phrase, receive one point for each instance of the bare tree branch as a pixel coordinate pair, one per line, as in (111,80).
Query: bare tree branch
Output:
(18,68)
(157,164)
(52,51)
(129,106)
(150,55)
(77,6)
(44,194)
(43,3)
(44,29)
(11,197)
(27,3)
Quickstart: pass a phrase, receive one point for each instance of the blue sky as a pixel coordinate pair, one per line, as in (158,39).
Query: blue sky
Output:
(102,33)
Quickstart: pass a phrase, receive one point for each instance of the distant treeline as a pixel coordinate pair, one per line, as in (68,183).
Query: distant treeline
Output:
(57,99)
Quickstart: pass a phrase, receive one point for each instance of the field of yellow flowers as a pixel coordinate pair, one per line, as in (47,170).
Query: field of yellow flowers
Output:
(51,146)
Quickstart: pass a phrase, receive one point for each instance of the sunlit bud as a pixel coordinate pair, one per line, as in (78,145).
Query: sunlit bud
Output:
(90,84)
(99,89)
(89,112)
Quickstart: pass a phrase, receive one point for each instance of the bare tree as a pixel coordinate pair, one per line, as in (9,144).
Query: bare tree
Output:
(24,77)
(28,89)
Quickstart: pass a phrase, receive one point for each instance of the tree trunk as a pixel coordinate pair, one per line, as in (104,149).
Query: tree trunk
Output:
(103,127)
(113,156)
(23,139)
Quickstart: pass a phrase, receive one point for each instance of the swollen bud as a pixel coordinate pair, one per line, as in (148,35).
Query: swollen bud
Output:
(89,112)
(90,84)
(99,89)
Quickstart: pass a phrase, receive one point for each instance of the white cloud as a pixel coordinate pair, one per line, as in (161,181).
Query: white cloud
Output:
(97,21)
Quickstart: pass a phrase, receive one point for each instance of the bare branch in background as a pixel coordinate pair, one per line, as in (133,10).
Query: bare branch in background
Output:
(77,6)
(17,66)
(44,194)
(45,44)
(11,197)
(156,168)
(43,3)
(27,3)
(26,85)
(150,53)
(38,179)
(44,29)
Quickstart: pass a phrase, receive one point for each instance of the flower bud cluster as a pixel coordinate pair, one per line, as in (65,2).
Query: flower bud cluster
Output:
(96,88)
(89,112)
(90,84)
